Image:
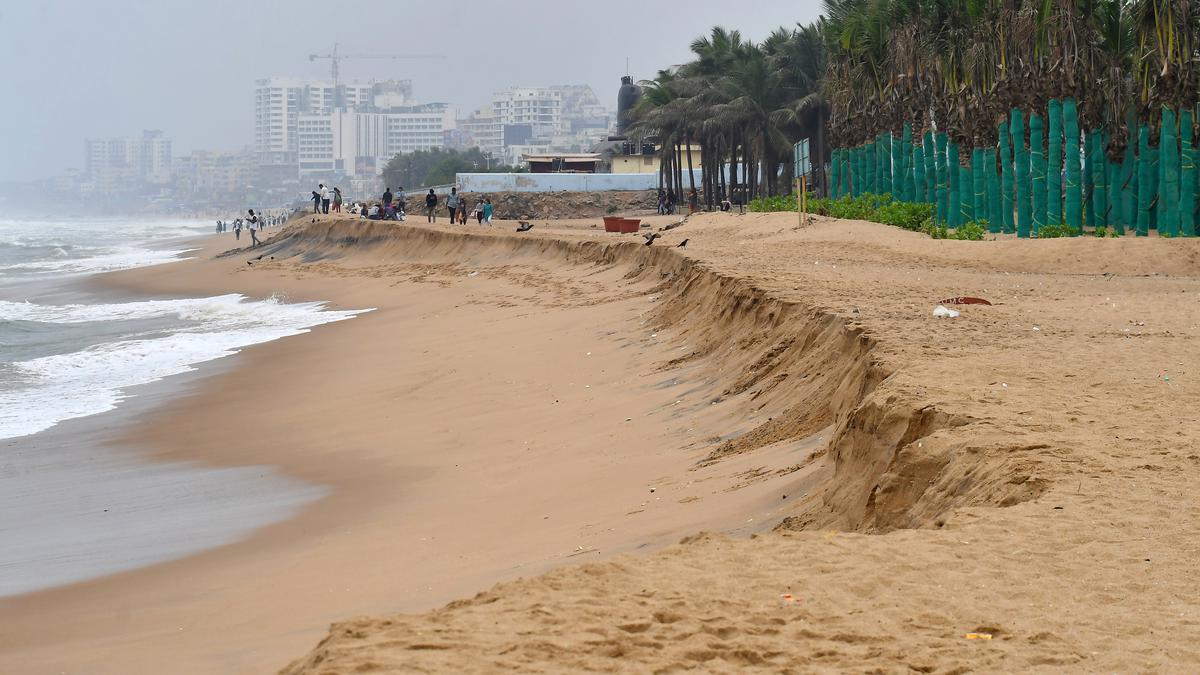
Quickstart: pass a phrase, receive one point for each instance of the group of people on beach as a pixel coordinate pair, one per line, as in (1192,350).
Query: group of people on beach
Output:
(668,205)
(456,204)
(324,199)
(253,222)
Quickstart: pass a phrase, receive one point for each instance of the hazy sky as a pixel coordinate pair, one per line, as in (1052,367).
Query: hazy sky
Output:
(79,68)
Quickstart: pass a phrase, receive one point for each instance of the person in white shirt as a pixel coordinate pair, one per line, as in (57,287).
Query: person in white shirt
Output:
(324,198)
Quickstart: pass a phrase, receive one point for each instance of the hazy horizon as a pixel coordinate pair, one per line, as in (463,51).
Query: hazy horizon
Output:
(86,69)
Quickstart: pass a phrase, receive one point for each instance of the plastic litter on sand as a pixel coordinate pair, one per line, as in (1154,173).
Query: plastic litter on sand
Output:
(944,312)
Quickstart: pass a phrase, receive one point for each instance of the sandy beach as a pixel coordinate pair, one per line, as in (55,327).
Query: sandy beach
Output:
(535,428)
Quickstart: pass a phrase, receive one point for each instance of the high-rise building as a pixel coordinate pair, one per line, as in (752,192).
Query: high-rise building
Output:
(126,164)
(539,107)
(359,143)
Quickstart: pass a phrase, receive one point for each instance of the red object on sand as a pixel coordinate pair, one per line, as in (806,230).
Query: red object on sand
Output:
(612,223)
(630,225)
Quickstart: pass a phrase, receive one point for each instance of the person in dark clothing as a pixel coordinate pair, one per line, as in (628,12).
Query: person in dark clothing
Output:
(671,202)
(431,201)
(387,198)
(316,201)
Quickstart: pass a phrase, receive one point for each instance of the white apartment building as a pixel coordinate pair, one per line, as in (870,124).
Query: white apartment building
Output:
(279,102)
(123,163)
(540,107)
(356,143)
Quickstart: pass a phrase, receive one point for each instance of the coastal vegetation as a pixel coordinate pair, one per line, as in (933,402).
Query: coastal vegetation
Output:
(1040,118)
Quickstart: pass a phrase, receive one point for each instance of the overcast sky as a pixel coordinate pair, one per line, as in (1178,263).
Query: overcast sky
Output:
(79,68)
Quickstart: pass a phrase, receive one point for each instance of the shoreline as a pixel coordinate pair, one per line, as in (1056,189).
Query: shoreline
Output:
(359,485)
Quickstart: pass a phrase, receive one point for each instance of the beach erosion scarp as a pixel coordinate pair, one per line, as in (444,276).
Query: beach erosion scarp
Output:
(563,405)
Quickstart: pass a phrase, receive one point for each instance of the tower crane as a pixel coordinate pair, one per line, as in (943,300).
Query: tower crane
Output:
(335,58)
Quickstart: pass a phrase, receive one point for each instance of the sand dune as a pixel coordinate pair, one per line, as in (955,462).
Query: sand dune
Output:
(571,401)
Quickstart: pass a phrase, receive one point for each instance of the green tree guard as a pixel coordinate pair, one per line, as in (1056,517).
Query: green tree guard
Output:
(1054,138)
(897,164)
(1037,171)
(953,169)
(859,183)
(1168,193)
(930,168)
(1071,160)
(883,155)
(871,167)
(1129,185)
(1099,203)
(1089,188)
(979,205)
(919,173)
(1145,181)
(906,164)
(853,165)
(993,189)
(1155,182)
(1021,173)
(846,181)
(1187,175)
(1116,210)
(943,180)
(834,174)
(966,194)
(1006,179)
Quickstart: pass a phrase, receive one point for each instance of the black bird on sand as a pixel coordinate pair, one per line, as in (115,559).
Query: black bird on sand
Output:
(681,244)
(651,237)
(525,226)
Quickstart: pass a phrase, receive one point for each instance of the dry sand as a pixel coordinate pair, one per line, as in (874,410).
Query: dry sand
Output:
(1026,471)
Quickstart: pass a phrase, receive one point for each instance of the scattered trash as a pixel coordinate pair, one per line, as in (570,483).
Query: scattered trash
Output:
(1004,384)
(652,489)
(965,300)
(628,419)
(979,636)
(472,274)
(1036,328)
(943,312)
(1164,377)
(789,599)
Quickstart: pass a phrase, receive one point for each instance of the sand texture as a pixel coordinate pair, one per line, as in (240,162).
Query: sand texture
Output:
(562,411)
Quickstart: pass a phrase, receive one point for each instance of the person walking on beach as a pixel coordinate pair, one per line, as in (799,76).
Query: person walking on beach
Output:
(337,200)
(254,225)
(693,201)
(387,198)
(478,212)
(401,203)
(316,199)
(662,202)
(431,201)
(237,229)
(324,197)
(452,203)
(487,210)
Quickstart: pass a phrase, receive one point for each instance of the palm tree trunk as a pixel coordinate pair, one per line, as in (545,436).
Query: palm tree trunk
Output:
(691,172)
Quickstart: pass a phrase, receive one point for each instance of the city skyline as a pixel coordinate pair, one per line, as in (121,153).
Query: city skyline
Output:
(110,71)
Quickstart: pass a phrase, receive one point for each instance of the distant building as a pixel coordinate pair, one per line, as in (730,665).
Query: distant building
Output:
(116,165)
(563,163)
(353,143)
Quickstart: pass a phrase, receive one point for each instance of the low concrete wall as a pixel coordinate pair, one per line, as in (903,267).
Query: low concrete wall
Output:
(559,182)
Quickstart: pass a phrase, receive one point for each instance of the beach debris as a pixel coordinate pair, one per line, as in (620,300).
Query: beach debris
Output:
(473,274)
(943,312)
(789,599)
(525,226)
(652,489)
(965,300)
(978,636)
(681,244)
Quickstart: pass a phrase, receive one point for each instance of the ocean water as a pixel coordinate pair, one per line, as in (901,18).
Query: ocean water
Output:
(70,508)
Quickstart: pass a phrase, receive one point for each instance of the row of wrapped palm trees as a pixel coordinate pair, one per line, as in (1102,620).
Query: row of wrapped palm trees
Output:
(740,105)
(1056,113)
(1064,113)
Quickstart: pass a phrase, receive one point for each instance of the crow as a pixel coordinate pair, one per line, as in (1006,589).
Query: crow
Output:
(525,226)
(651,237)
(681,244)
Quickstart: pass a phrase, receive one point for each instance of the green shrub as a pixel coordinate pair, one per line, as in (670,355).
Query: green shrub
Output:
(972,231)
(1054,231)
(773,204)
(934,230)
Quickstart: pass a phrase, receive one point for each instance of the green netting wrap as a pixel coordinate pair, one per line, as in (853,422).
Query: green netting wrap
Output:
(942,178)
(930,152)
(1074,200)
(1113,190)
(835,176)
(870,168)
(1099,203)
(979,206)
(897,166)
(1145,181)
(1054,212)
(1128,186)
(884,156)
(1187,175)
(1089,210)
(953,167)
(854,176)
(966,194)
(906,164)
(1037,172)
(1155,181)
(1168,157)
(919,173)
(1006,180)
(993,189)
(1021,172)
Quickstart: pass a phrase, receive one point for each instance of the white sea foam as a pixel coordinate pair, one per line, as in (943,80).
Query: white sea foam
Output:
(45,391)
(110,260)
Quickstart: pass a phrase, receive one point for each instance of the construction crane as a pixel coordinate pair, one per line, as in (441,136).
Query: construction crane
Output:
(335,58)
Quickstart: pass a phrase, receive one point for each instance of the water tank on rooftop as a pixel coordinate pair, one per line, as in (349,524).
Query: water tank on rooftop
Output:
(627,98)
